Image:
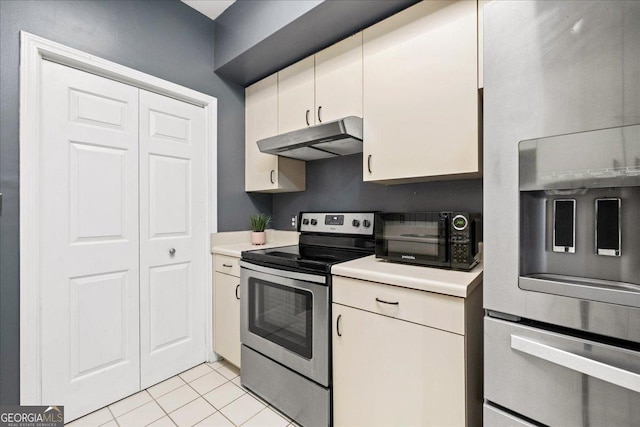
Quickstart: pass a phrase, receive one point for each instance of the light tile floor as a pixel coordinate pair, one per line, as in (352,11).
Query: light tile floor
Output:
(208,395)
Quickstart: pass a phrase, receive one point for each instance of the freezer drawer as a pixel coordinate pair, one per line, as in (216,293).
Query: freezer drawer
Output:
(559,380)
(494,417)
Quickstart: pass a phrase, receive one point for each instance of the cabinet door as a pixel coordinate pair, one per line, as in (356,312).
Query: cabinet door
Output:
(421,93)
(265,172)
(89,240)
(226,317)
(261,121)
(339,80)
(389,372)
(174,242)
(296,96)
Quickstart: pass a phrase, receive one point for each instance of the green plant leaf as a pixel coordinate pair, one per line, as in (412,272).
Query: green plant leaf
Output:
(259,221)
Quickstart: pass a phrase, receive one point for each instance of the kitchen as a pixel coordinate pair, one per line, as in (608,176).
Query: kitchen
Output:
(574,71)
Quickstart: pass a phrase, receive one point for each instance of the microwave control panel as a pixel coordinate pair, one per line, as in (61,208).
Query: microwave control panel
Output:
(461,234)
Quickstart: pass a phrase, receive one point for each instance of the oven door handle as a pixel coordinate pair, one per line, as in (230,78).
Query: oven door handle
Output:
(284,273)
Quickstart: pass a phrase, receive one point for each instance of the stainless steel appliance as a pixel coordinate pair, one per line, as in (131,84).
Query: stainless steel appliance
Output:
(285,314)
(561,202)
(331,139)
(436,239)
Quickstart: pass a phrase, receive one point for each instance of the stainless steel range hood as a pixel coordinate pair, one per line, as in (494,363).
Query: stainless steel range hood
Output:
(338,138)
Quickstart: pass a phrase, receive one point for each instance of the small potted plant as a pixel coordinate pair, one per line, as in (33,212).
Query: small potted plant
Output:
(258,223)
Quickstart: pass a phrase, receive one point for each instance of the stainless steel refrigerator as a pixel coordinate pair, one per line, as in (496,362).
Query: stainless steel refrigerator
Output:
(562,213)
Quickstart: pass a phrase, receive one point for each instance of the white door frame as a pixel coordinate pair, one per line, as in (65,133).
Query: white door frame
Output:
(33,50)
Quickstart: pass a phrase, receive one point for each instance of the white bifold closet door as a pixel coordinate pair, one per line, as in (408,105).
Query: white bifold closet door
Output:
(173,236)
(123,240)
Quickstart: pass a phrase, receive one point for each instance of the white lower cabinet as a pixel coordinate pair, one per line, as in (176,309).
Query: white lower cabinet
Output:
(226,308)
(389,370)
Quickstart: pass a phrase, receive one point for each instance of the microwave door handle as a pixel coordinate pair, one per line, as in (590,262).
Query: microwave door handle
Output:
(581,364)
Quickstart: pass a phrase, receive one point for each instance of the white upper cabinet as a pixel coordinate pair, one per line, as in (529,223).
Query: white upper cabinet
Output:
(421,94)
(323,87)
(267,172)
(339,80)
(296,97)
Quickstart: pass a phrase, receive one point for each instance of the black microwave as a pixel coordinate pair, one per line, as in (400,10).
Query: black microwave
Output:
(435,239)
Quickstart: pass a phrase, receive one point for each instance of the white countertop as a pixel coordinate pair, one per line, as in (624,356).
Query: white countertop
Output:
(449,282)
(235,250)
(232,243)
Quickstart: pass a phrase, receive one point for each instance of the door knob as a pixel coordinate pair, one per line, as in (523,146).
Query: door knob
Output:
(172,251)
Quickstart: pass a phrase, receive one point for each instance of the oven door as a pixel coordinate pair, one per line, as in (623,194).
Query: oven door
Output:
(416,237)
(284,315)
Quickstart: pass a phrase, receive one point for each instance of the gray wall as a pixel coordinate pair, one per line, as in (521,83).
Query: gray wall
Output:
(336,184)
(255,38)
(246,23)
(164,38)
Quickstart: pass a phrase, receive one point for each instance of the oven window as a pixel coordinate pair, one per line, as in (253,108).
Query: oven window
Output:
(282,314)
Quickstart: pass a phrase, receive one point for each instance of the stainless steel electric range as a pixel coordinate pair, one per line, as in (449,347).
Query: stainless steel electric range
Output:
(286,313)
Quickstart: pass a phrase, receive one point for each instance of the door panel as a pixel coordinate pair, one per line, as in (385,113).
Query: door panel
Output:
(97,110)
(418,371)
(169,293)
(98,189)
(87,354)
(166,126)
(420,91)
(173,239)
(226,322)
(88,239)
(170,194)
(261,169)
(338,80)
(296,96)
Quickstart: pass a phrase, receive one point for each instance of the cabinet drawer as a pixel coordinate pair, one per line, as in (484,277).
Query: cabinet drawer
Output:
(425,308)
(560,380)
(227,264)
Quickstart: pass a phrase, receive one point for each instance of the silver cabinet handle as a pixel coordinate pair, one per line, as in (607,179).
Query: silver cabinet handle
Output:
(237,290)
(227,265)
(271,176)
(306,116)
(172,251)
(387,302)
(369,163)
(338,325)
(319,109)
(581,364)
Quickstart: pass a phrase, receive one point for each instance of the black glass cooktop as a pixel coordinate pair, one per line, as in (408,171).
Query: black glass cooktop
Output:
(303,258)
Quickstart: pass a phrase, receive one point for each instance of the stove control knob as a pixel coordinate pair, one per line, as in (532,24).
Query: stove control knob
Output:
(355,223)
(366,223)
(314,222)
(305,221)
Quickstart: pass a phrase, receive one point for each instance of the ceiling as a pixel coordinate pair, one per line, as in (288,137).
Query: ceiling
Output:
(210,8)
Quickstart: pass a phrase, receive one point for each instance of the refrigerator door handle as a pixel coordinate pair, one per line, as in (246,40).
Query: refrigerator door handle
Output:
(584,365)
